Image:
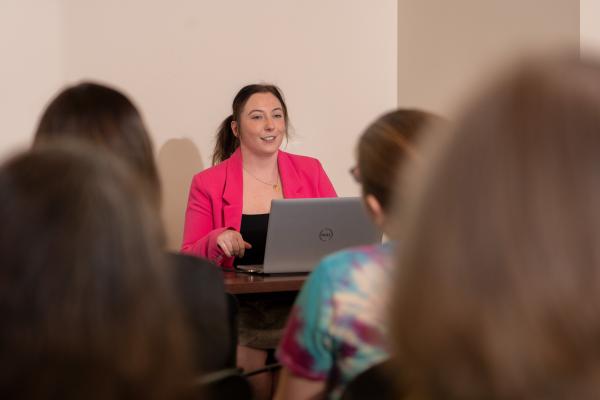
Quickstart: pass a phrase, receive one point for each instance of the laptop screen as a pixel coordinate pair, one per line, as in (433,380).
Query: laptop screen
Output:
(302,231)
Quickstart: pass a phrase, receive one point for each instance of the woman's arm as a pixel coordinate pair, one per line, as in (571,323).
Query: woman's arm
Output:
(199,234)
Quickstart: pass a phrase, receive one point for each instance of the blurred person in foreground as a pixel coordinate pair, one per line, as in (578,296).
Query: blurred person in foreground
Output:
(337,327)
(85,305)
(498,291)
(106,119)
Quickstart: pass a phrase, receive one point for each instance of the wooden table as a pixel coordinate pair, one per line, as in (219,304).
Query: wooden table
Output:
(241,283)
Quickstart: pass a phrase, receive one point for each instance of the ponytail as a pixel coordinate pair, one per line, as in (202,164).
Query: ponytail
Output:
(226,142)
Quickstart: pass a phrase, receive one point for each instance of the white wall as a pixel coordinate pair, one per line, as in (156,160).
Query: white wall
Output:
(590,29)
(31,51)
(183,61)
(446,47)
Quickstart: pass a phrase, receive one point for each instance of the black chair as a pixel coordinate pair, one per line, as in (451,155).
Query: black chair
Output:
(231,383)
(274,367)
(224,384)
(232,321)
(376,382)
(210,312)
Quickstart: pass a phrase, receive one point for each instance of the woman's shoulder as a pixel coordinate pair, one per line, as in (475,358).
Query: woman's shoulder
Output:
(211,181)
(359,254)
(213,173)
(337,266)
(302,161)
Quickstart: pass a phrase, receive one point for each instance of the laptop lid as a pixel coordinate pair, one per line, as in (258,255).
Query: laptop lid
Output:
(302,231)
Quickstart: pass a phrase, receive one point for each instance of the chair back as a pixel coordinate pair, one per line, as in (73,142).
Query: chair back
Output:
(224,384)
(374,383)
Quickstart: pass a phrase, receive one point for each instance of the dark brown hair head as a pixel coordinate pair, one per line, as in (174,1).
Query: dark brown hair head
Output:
(105,117)
(499,291)
(383,147)
(226,141)
(86,307)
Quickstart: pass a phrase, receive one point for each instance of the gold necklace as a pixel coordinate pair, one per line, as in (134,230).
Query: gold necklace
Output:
(275,185)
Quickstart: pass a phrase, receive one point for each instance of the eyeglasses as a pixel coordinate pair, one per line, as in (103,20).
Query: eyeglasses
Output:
(355,172)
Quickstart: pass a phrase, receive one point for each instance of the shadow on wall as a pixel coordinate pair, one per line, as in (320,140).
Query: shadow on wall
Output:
(178,161)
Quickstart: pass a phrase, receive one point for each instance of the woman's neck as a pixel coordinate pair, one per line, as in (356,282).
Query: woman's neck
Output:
(264,165)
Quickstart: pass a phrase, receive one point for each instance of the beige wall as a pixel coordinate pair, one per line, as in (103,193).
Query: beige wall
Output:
(182,62)
(338,62)
(446,47)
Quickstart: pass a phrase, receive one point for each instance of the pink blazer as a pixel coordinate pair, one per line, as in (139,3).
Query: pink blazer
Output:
(215,199)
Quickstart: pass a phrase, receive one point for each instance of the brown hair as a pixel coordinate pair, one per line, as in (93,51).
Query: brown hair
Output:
(499,291)
(226,141)
(384,145)
(86,308)
(106,117)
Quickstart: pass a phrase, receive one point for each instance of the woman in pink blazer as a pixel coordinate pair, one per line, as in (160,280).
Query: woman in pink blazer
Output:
(229,204)
(215,200)
(250,172)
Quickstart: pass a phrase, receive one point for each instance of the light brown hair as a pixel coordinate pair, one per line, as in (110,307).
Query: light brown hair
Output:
(105,117)
(499,291)
(86,306)
(385,144)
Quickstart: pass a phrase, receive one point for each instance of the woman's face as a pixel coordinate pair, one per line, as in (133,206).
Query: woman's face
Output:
(261,126)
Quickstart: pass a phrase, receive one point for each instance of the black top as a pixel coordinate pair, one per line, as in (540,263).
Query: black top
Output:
(254,231)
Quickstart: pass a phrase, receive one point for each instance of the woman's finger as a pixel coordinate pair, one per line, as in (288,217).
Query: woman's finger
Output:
(224,248)
(235,248)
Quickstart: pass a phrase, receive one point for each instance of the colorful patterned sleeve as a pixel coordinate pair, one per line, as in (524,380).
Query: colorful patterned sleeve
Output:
(305,348)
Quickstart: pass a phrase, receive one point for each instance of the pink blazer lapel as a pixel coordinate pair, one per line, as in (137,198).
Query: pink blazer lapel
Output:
(290,180)
(233,192)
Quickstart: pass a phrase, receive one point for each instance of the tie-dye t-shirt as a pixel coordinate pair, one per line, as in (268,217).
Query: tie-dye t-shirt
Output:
(336,328)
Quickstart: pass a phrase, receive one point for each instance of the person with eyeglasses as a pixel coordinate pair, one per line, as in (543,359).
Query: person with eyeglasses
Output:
(337,326)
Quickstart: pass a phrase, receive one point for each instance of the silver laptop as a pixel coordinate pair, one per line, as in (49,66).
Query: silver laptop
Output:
(302,231)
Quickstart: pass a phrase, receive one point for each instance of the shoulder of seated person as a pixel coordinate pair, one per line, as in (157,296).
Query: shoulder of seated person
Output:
(305,161)
(349,255)
(213,172)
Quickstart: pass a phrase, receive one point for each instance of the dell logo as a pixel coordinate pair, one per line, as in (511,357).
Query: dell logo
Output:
(326,234)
